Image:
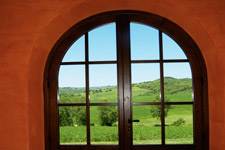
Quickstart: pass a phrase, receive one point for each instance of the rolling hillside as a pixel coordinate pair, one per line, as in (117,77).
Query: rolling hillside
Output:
(175,90)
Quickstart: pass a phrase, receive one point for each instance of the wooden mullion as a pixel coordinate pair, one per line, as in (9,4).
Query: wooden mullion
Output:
(125,33)
(123,44)
(87,89)
(120,86)
(162,97)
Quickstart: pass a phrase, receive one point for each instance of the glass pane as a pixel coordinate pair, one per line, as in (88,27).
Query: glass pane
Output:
(76,52)
(148,129)
(144,42)
(71,83)
(179,124)
(102,43)
(103,83)
(145,82)
(177,82)
(171,50)
(104,125)
(72,123)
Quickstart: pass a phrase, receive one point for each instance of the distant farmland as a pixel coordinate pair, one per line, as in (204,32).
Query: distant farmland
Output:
(178,121)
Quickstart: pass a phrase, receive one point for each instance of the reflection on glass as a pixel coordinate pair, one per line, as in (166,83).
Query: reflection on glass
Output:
(103,83)
(145,82)
(72,123)
(71,84)
(102,43)
(144,42)
(179,125)
(76,52)
(148,129)
(177,82)
(171,50)
(104,125)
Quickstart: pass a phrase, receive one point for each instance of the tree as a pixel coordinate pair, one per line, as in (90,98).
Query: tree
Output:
(156,110)
(80,116)
(108,116)
(70,116)
(66,116)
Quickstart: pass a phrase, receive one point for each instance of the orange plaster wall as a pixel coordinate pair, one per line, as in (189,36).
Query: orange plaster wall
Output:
(30,28)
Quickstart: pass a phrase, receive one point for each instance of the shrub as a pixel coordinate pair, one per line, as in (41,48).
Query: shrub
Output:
(66,116)
(108,116)
(71,116)
(155,111)
(179,122)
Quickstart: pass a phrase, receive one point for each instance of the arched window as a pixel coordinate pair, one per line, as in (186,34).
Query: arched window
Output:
(126,80)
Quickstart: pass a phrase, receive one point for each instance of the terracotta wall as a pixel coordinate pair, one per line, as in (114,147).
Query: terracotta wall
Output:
(29,29)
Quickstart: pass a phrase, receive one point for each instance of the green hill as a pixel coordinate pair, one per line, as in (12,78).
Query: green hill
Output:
(175,90)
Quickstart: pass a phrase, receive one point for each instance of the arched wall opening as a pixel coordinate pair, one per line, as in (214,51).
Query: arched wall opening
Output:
(177,33)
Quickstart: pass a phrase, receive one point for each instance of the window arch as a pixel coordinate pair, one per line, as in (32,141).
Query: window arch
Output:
(116,84)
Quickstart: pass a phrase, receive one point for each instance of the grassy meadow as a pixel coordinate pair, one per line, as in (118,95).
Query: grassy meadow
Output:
(179,123)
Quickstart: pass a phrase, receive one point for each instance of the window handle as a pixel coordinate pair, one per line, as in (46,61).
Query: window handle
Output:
(135,120)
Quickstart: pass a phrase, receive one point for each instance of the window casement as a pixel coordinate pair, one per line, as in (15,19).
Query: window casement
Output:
(126,80)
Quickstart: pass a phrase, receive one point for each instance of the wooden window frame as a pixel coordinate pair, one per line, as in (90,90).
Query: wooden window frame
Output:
(122,19)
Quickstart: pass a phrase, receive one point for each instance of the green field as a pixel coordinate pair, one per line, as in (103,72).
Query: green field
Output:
(179,126)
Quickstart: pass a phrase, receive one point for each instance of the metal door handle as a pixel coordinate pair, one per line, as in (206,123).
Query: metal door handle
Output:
(136,120)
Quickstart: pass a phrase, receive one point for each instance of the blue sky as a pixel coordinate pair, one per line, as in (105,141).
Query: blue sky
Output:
(102,46)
